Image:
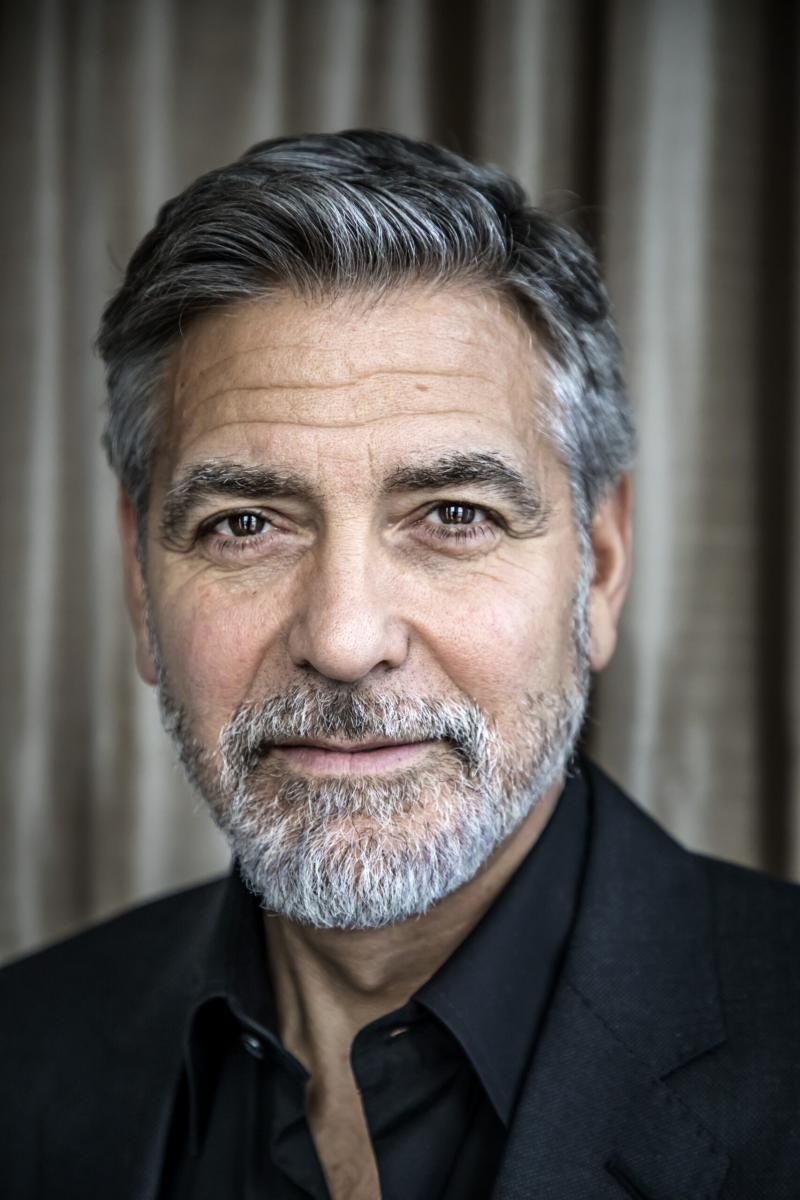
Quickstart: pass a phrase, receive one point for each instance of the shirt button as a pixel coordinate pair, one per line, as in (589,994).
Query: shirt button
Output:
(253,1045)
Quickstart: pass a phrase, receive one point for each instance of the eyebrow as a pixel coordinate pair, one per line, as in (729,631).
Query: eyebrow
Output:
(241,481)
(218,478)
(481,470)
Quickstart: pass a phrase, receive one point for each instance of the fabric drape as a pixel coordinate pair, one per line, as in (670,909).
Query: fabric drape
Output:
(666,129)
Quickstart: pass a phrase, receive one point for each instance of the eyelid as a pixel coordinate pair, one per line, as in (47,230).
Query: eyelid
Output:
(257,510)
(494,516)
(208,525)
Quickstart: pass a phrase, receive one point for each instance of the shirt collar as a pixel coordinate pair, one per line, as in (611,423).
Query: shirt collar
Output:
(491,994)
(234,994)
(493,991)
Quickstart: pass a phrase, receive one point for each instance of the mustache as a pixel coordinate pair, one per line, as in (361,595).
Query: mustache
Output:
(308,712)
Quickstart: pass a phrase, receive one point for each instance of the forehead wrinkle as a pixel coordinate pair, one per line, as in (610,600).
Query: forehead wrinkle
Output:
(321,322)
(453,318)
(354,381)
(337,351)
(247,352)
(298,422)
(354,358)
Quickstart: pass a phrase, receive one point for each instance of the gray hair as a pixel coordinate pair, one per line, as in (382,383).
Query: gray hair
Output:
(326,214)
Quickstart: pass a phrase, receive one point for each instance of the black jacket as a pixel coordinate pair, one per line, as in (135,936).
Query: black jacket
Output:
(668,1067)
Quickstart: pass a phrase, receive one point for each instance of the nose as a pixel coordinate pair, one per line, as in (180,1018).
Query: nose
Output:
(345,625)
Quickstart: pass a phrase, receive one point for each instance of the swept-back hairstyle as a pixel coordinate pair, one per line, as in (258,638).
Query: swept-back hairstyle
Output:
(366,211)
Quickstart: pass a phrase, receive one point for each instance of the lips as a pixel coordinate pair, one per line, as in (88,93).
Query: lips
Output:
(322,757)
(341,747)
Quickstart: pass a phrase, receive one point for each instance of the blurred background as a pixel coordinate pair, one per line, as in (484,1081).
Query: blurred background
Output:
(669,130)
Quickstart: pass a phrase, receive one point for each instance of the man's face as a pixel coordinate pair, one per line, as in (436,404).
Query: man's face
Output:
(358,536)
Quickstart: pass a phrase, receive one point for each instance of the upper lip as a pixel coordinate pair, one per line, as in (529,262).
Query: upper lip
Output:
(344,747)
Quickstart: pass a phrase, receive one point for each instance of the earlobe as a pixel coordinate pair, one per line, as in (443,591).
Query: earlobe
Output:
(135,586)
(612,538)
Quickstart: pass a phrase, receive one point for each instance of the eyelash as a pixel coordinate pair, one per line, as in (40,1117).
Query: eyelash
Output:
(230,544)
(460,533)
(451,533)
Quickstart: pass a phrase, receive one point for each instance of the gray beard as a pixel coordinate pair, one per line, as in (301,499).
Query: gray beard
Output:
(363,852)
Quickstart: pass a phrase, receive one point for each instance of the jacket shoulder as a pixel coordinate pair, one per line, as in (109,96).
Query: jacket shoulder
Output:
(754,917)
(738,890)
(745,896)
(757,935)
(129,949)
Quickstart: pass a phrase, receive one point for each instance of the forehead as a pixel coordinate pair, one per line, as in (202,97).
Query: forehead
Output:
(417,368)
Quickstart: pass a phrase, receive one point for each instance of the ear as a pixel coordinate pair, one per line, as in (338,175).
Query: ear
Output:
(135,588)
(611,537)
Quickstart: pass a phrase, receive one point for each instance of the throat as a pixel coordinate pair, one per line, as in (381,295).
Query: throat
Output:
(341,1137)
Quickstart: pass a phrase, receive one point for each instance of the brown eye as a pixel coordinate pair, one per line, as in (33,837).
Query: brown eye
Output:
(456,514)
(245,524)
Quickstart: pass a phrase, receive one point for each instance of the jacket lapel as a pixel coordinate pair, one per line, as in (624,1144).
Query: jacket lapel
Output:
(637,1001)
(132,1072)
(121,1157)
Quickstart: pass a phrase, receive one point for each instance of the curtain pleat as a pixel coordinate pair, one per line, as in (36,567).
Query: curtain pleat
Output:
(667,130)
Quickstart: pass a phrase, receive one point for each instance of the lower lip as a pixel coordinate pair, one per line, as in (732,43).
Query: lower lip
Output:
(319,761)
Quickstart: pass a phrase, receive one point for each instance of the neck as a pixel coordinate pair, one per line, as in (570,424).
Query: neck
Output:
(330,983)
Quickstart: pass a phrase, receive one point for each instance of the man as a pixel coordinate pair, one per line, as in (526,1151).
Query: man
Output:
(366,412)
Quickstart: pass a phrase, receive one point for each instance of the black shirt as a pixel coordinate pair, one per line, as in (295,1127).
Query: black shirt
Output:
(438,1077)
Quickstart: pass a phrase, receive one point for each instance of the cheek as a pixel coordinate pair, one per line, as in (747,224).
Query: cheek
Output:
(212,647)
(500,642)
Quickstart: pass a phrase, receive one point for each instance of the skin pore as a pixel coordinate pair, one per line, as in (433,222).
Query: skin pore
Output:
(339,554)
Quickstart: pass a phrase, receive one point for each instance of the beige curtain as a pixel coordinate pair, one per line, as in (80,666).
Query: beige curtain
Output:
(669,127)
